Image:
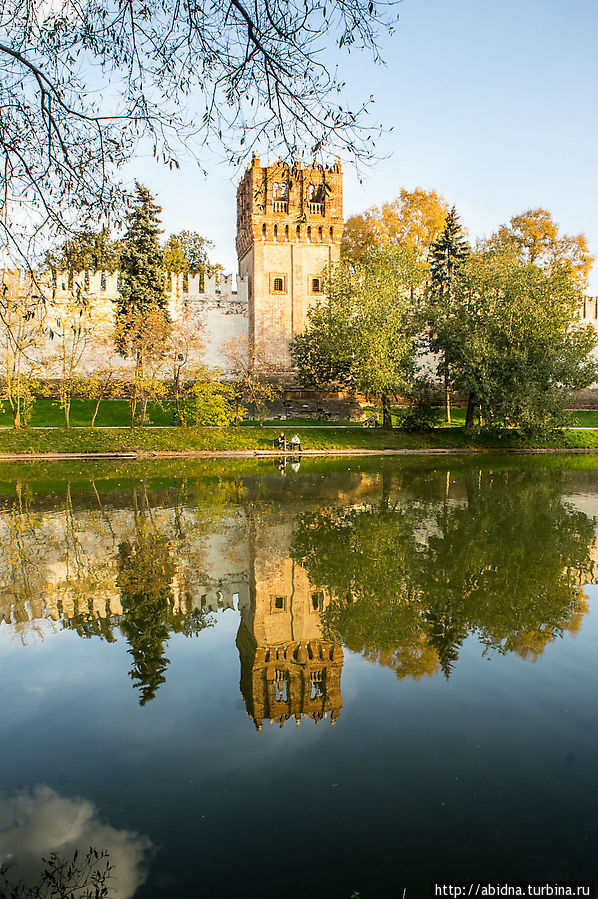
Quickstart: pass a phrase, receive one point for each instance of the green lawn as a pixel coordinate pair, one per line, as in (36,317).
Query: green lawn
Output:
(116,414)
(152,440)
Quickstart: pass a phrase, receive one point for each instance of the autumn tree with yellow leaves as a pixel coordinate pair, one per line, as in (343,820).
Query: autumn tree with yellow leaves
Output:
(413,220)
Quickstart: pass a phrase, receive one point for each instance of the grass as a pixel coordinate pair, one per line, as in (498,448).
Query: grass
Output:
(116,414)
(155,440)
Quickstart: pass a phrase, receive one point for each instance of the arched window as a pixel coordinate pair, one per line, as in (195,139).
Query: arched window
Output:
(320,234)
(278,285)
(275,190)
(263,232)
(298,232)
(275,232)
(316,285)
(309,233)
(331,233)
(286,233)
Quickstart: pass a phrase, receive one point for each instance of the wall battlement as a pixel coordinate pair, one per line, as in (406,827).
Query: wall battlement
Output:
(104,285)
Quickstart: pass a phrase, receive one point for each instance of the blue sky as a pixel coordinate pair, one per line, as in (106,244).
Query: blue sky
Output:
(492,104)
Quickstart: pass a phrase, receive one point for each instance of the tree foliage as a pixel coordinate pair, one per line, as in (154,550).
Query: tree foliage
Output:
(88,250)
(533,237)
(210,401)
(413,220)
(82,83)
(142,259)
(412,574)
(509,333)
(361,336)
(187,252)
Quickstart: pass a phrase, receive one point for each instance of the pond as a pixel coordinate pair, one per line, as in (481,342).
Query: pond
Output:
(266,679)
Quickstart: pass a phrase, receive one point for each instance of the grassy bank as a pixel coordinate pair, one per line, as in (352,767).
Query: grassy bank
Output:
(116,414)
(180,440)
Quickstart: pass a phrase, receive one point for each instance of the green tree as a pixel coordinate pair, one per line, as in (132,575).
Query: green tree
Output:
(87,250)
(142,317)
(447,254)
(142,260)
(187,252)
(209,401)
(361,336)
(509,334)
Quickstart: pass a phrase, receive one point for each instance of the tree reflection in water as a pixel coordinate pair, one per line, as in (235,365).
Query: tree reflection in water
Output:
(399,563)
(413,574)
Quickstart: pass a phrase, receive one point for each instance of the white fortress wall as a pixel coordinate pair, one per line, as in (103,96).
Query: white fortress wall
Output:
(220,303)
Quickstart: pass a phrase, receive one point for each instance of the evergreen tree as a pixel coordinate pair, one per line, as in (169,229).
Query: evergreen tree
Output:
(142,318)
(447,254)
(141,261)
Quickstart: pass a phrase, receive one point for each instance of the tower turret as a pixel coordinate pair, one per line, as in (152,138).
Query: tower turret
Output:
(289,229)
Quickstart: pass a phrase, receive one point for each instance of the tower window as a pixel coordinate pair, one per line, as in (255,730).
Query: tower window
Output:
(277,284)
(320,234)
(286,233)
(316,285)
(309,233)
(263,232)
(275,232)
(331,233)
(317,601)
(278,604)
(298,232)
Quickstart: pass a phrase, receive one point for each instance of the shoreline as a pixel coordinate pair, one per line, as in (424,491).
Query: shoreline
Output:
(273,454)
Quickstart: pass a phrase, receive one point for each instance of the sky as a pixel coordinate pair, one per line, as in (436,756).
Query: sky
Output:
(492,104)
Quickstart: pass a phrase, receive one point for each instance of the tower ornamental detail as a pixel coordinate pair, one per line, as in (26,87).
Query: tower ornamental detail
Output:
(289,229)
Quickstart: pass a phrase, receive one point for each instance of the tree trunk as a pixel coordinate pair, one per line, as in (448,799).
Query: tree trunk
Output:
(447,392)
(177,397)
(67,413)
(16,418)
(95,412)
(143,411)
(386,414)
(135,391)
(470,412)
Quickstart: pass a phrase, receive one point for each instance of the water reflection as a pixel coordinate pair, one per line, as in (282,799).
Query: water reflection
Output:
(398,564)
(36,822)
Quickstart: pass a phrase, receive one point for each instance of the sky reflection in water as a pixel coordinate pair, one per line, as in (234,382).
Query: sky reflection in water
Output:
(421,640)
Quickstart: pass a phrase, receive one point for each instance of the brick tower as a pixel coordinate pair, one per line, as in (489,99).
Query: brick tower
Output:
(289,228)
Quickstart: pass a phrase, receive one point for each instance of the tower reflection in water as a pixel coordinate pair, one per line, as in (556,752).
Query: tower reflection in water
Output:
(399,566)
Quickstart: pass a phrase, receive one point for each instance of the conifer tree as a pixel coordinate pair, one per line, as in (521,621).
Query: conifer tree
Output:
(141,260)
(447,254)
(141,307)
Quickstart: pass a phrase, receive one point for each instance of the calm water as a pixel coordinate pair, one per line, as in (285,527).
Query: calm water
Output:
(257,681)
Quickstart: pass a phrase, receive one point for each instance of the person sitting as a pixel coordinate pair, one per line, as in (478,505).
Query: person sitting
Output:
(282,441)
(296,443)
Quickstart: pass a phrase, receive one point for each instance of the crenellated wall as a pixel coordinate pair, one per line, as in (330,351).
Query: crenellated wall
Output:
(221,302)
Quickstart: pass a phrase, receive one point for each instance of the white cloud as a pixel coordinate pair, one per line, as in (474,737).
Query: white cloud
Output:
(35,822)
